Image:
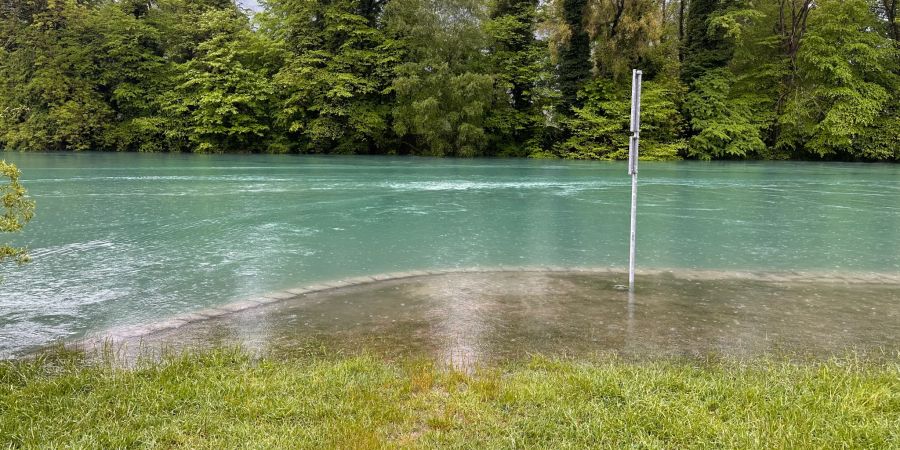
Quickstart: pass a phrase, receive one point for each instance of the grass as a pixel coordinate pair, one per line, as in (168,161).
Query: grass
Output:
(225,399)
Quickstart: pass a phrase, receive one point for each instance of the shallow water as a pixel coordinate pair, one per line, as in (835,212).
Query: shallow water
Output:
(474,318)
(130,238)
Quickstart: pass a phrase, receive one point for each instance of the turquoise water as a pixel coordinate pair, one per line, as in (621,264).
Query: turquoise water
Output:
(129,238)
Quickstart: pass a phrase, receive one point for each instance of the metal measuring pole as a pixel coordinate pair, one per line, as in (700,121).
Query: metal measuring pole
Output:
(633,165)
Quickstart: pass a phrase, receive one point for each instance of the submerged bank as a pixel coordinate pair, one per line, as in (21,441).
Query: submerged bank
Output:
(226,399)
(489,315)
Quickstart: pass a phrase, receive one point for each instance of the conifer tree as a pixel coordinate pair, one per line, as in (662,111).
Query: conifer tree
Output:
(705,47)
(517,60)
(574,65)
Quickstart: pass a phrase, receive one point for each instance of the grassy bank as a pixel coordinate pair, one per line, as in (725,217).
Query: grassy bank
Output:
(224,399)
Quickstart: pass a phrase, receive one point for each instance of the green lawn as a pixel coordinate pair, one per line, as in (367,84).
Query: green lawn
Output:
(224,399)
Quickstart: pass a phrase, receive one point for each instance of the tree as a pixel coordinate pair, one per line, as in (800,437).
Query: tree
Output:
(772,79)
(723,119)
(706,47)
(336,75)
(574,53)
(845,86)
(18,209)
(45,102)
(600,128)
(443,88)
(887,13)
(224,94)
(624,35)
(628,34)
(128,72)
(518,63)
(732,86)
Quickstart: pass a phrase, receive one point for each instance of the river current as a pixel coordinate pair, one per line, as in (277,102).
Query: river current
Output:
(123,239)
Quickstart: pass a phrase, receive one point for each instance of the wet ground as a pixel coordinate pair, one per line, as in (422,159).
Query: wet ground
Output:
(484,317)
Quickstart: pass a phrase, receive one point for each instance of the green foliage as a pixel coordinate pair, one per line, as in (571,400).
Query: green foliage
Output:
(519,64)
(721,118)
(842,101)
(628,35)
(819,86)
(18,209)
(336,76)
(442,88)
(724,124)
(573,54)
(99,75)
(600,129)
(44,102)
(706,46)
(126,70)
(222,96)
(733,79)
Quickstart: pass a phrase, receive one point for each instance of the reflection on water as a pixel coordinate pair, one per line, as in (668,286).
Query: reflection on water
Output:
(468,318)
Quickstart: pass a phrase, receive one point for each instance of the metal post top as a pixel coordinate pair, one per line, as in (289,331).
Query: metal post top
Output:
(635,126)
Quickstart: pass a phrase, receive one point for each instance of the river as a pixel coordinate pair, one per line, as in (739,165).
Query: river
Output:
(124,239)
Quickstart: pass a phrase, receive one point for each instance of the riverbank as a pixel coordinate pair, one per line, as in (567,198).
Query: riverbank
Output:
(489,315)
(226,399)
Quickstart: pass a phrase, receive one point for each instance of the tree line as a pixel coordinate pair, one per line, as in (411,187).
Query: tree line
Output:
(724,79)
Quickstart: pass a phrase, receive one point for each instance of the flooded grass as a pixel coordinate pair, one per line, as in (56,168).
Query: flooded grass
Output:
(226,399)
(482,317)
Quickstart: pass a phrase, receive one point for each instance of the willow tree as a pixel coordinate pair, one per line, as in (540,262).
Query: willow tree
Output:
(443,88)
(628,34)
(18,209)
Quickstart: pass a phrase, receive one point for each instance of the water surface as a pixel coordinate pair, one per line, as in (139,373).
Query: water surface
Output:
(487,317)
(130,238)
